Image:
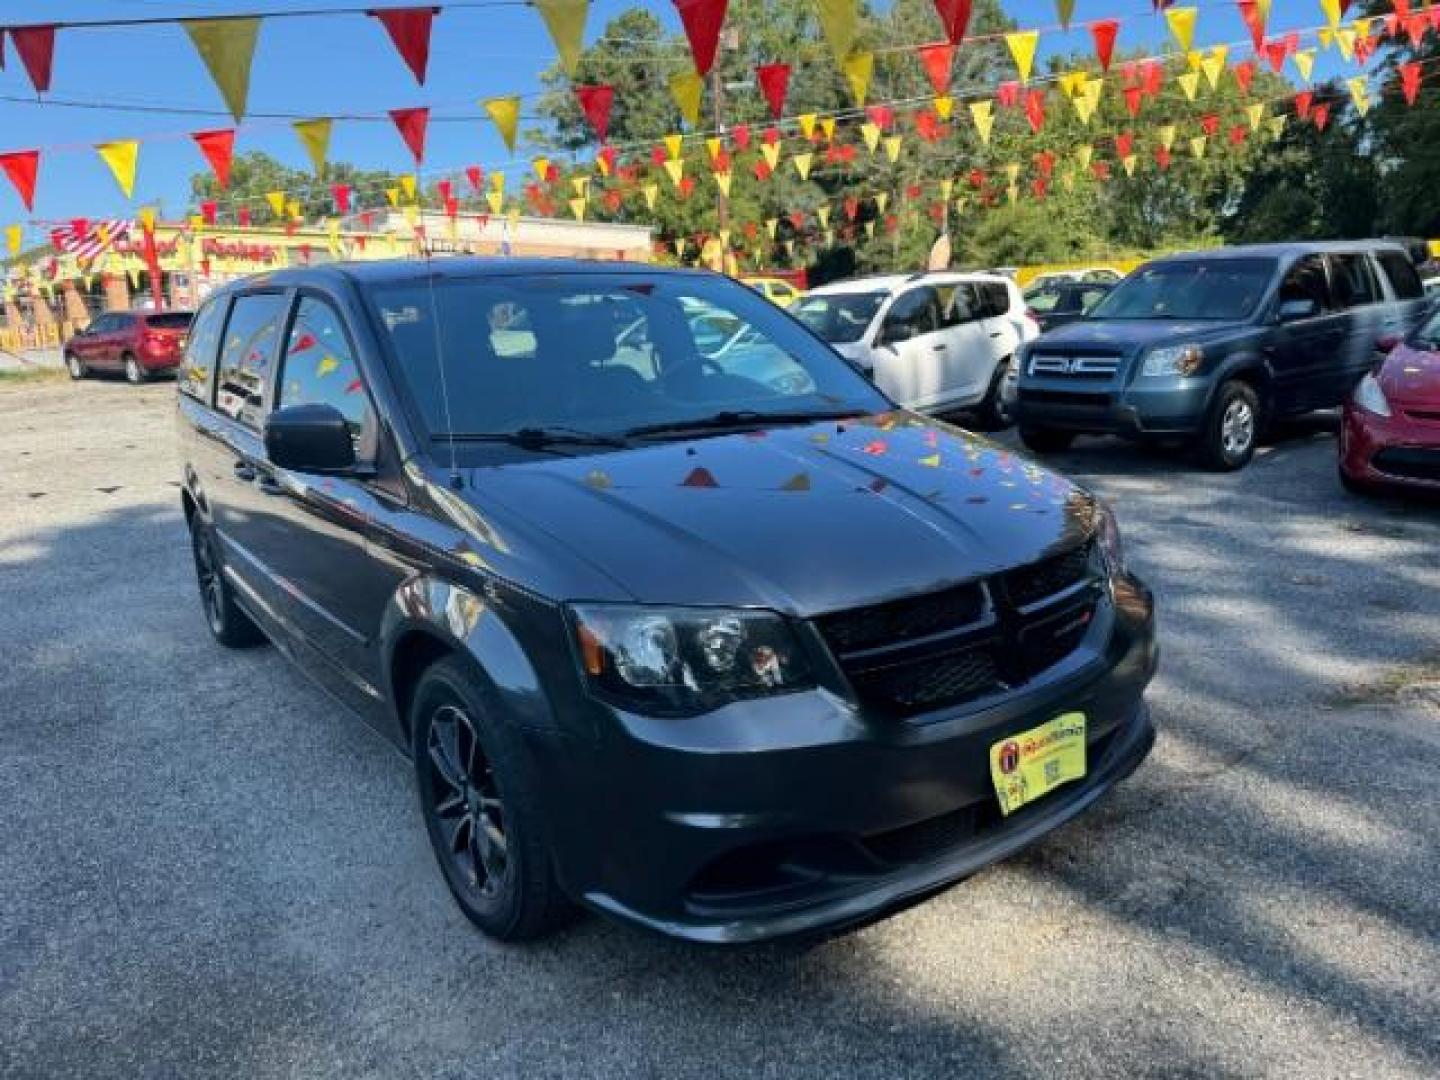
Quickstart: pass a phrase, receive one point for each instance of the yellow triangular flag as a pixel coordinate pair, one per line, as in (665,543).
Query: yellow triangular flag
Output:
(1190,83)
(276,201)
(827,126)
(1012,170)
(1304,62)
(1022,47)
(771,224)
(651,193)
(983,113)
(14,236)
(882,200)
(1197,146)
(1166,134)
(495,200)
(541,166)
(1213,67)
(1331,8)
(1326,36)
(581,186)
(807,124)
(675,169)
(292,209)
(315,135)
(392,196)
(497,182)
(837,19)
(686,88)
(1128,164)
(870,230)
(1182,25)
(1345,39)
(505,112)
(1012,192)
(1194,59)
(1073,82)
(823,213)
(722,181)
(227,46)
(1359,93)
(802,164)
(858,68)
(121,157)
(1083,154)
(871,133)
(944,106)
(1255,113)
(892,147)
(1277,125)
(674,145)
(771,154)
(147,218)
(408,186)
(565,19)
(577,207)
(680,246)
(1084,107)
(712,147)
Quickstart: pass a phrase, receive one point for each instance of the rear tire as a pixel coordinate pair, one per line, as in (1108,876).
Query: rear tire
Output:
(1232,428)
(482,810)
(229,625)
(1045,440)
(75,366)
(134,373)
(994,412)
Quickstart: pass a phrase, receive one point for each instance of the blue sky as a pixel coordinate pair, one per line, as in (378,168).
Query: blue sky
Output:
(346,64)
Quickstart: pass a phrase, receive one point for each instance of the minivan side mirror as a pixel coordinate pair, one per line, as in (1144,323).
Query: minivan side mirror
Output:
(309,438)
(1301,308)
(1386,342)
(894,332)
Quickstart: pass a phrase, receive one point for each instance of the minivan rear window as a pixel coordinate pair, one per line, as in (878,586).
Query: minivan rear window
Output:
(1221,289)
(1401,272)
(170,320)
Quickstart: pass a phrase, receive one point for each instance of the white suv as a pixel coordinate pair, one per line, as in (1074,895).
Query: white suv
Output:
(934,342)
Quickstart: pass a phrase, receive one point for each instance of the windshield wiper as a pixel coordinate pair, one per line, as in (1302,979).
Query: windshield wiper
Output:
(736,418)
(538,438)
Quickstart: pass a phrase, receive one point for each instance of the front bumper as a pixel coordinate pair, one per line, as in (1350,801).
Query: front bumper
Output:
(1389,451)
(1174,407)
(799,814)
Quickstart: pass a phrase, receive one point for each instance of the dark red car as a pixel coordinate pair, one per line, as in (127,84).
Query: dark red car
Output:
(1390,434)
(140,344)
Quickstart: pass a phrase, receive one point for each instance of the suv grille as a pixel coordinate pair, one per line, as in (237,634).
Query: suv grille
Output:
(953,646)
(1075,367)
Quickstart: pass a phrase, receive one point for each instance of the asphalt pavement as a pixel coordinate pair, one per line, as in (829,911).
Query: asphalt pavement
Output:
(208,869)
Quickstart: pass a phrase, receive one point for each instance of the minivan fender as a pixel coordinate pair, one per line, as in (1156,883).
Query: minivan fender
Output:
(429,618)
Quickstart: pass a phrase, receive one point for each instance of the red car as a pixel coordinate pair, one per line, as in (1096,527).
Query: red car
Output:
(139,343)
(1390,434)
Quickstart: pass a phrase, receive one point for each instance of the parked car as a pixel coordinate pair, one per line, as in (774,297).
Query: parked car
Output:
(1432,286)
(1209,346)
(776,290)
(140,344)
(1062,302)
(1390,431)
(935,342)
(1106,275)
(726,660)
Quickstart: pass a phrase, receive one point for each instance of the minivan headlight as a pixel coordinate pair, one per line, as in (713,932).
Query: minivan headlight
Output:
(1370,397)
(1173,360)
(673,661)
(1107,538)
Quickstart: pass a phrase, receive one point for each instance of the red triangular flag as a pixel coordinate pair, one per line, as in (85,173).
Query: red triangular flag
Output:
(1008,93)
(1133,97)
(1250,12)
(937,59)
(342,197)
(219,149)
(1410,81)
(36,46)
(476,175)
(955,17)
(1035,109)
(409,29)
(1302,103)
(1162,157)
(1321,116)
(412,124)
(774,82)
(208,210)
(1104,33)
(740,135)
(1238,133)
(1245,74)
(1210,122)
(595,102)
(242,217)
(702,20)
(1124,143)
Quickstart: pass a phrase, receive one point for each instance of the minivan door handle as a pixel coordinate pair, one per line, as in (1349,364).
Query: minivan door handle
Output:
(244,471)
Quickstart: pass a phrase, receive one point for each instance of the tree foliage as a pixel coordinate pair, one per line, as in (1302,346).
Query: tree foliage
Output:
(254,174)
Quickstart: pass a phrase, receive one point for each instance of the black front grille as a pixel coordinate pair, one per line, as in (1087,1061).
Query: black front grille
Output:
(957,645)
(1064,397)
(1413,464)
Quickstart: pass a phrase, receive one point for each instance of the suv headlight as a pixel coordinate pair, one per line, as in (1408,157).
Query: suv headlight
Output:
(1107,539)
(1173,360)
(681,661)
(1370,397)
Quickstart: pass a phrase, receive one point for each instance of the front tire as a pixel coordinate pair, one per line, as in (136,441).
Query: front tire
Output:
(75,366)
(134,373)
(1045,440)
(481,806)
(995,413)
(229,625)
(1232,428)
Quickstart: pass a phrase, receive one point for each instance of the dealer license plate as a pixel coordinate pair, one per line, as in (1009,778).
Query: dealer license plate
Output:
(1033,763)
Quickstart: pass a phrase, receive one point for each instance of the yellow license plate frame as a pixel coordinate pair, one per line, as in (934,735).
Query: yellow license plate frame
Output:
(1030,764)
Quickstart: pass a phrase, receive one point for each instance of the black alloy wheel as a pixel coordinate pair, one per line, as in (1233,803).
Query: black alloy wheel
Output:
(230,626)
(463,800)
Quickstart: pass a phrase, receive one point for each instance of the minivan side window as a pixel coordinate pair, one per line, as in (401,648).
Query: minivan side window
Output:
(916,309)
(320,367)
(200,351)
(1401,271)
(957,304)
(1352,280)
(1306,281)
(250,341)
(997,299)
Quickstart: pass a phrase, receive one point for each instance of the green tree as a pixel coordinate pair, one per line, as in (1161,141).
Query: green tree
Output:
(254,174)
(1405,139)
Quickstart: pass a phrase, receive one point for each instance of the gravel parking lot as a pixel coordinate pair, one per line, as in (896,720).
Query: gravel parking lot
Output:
(208,869)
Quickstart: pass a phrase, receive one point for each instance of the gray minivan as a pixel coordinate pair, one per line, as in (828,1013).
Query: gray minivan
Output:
(1210,345)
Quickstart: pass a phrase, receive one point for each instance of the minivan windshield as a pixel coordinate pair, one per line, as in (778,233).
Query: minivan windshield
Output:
(604,354)
(1222,289)
(839,318)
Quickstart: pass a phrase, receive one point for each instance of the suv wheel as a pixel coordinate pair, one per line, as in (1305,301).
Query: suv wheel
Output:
(75,366)
(230,626)
(134,373)
(1232,429)
(1045,440)
(482,809)
(995,412)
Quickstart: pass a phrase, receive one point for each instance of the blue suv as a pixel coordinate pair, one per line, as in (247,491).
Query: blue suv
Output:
(1209,346)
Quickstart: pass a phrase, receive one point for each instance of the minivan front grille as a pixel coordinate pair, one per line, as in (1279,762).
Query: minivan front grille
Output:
(1075,367)
(963,643)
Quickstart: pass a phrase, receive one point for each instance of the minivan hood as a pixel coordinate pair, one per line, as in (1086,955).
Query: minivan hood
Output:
(1131,335)
(797,519)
